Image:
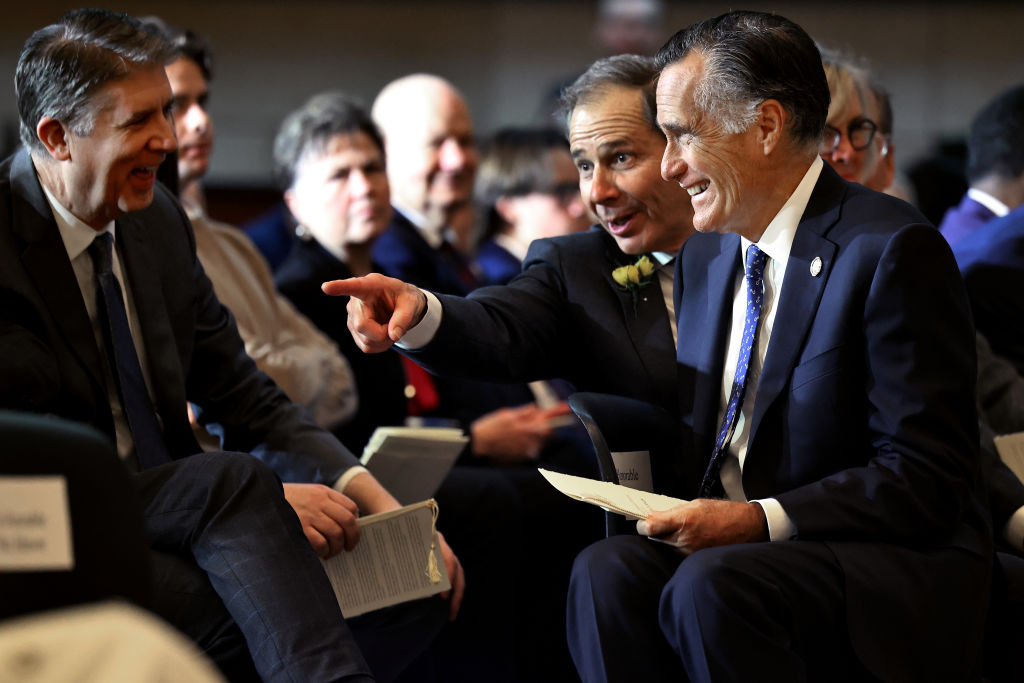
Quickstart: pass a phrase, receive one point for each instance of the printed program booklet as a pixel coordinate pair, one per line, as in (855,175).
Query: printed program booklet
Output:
(398,558)
(411,462)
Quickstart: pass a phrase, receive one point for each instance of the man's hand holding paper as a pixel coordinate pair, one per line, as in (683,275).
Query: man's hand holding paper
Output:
(704,522)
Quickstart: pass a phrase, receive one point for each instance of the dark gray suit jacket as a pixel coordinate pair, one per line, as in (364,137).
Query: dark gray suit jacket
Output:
(193,348)
(562,317)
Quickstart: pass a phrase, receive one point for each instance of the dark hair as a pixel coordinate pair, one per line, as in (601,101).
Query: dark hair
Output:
(310,127)
(752,57)
(995,144)
(629,71)
(514,163)
(63,65)
(186,43)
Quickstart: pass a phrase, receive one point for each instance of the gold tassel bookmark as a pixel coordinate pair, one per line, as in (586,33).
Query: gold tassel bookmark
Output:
(433,573)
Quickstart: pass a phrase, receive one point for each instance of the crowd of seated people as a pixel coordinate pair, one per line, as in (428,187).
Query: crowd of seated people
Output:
(837,369)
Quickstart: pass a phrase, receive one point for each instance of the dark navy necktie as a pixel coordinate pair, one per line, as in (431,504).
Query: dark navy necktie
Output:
(754,278)
(135,401)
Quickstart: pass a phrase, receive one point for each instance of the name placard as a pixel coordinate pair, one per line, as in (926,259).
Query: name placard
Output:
(35,525)
(634,469)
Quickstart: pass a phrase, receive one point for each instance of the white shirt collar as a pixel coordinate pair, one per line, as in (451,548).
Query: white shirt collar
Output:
(663,257)
(76,235)
(777,239)
(988,201)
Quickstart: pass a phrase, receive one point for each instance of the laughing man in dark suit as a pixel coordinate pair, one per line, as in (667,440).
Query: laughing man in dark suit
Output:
(125,350)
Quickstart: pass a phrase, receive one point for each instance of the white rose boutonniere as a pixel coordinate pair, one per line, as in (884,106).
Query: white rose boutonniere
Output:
(635,277)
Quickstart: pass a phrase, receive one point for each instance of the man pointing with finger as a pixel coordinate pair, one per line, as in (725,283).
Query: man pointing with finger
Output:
(828,374)
(565,315)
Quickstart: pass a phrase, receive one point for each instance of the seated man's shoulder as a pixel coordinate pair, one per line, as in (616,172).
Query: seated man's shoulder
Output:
(572,246)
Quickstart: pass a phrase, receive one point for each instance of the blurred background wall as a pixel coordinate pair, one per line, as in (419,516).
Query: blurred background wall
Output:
(940,60)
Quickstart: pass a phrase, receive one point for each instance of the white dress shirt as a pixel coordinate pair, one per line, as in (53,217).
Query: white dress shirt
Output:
(776,242)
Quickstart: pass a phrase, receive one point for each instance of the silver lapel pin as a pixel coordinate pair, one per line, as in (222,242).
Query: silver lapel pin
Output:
(816,266)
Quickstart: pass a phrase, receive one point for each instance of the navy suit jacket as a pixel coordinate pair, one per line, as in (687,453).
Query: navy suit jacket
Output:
(992,263)
(964,219)
(193,348)
(864,426)
(496,264)
(401,252)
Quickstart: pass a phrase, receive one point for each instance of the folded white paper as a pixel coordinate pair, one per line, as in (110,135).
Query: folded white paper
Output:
(611,497)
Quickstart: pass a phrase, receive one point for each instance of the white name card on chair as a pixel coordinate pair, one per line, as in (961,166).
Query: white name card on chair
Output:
(35,528)
(634,469)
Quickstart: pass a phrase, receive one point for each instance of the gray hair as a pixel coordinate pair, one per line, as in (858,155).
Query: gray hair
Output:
(310,127)
(623,71)
(751,57)
(64,65)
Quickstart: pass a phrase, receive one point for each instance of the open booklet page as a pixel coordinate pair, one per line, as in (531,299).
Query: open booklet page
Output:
(398,558)
(614,497)
(1011,452)
(411,462)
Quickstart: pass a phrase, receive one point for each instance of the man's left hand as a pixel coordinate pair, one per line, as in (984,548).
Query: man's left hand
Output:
(455,576)
(704,523)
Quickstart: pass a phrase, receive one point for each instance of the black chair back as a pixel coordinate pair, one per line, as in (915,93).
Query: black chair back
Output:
(111,553)
(616,424)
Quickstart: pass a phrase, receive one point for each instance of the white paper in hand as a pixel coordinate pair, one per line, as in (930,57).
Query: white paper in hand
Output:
(612,497)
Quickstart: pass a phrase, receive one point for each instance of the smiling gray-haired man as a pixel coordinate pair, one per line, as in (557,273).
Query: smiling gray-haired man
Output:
(826,360)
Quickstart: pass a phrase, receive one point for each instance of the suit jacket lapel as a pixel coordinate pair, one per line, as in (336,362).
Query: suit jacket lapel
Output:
(47,263)
(648,327)
(801,293)
(721,280)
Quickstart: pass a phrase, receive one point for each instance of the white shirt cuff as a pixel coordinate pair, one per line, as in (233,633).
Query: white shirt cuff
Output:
(780,526)
(348,476)
(1013,532)
(419,335)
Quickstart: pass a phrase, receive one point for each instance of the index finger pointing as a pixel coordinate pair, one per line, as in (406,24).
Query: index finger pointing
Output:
(353,286)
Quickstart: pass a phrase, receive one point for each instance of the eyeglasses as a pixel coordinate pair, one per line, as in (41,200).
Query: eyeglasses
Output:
(860,133)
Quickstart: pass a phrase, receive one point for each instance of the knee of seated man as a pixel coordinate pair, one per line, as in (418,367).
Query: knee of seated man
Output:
(620,561)
(713,579)
(231,472)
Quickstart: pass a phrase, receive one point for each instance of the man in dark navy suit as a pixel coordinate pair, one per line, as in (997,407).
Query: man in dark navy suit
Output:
(103,291)
(827,371)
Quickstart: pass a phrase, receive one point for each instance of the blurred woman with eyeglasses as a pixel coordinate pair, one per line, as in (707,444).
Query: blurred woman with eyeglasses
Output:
(857,141)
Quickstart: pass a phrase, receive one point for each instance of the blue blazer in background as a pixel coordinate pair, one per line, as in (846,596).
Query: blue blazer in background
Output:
(992,263)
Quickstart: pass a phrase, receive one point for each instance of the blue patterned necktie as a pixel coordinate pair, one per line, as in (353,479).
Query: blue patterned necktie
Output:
(754,277)
(135,401)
